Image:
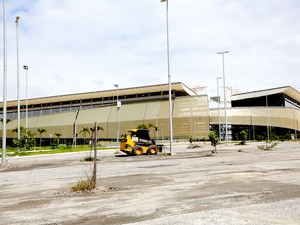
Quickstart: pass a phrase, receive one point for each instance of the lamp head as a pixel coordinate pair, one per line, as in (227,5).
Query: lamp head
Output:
(223,52)
(17,19)
(116,85)
(163,0)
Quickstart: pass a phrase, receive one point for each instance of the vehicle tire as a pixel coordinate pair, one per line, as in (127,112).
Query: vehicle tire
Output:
(137,150)
(129,149)
(152,150)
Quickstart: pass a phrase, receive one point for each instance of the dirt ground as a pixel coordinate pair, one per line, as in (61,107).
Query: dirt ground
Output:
(238,185)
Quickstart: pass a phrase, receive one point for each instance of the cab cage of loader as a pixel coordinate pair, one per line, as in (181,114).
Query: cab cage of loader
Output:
(141,137)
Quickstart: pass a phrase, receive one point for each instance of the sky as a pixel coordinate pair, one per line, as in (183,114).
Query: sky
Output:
(75,46)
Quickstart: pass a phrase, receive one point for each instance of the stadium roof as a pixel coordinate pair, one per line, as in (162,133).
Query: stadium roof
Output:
(178,87)
(288,90)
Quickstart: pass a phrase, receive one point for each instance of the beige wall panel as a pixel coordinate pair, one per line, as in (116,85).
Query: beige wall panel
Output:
(153,110)
(191,107)
(272,116)
(99,115)
(61,119)
(132,112)
(164,110)
(190,118)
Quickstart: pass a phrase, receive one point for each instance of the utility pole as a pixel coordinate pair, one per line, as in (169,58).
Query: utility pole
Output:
(18,83)
(225,101)
(4,85)
(94,178)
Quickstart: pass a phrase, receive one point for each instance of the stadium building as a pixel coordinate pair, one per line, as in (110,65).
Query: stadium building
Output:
(275,110)
(68,114)
(278,109)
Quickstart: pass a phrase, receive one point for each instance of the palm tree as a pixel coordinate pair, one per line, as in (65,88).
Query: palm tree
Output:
(57,135)
(22,130)
(41,131)
(146,126)
(142,126)
(84,131)
(93,130)
(7,120)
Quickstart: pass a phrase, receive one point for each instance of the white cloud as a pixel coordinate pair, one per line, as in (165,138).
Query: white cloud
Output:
(75,46)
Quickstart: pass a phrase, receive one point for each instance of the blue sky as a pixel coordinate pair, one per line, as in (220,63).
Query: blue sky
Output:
(76,46)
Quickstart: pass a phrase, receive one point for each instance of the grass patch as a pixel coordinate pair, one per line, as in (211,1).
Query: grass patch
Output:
(11,152)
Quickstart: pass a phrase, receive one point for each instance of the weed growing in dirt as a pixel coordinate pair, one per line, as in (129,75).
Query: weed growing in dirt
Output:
(84,185)
(88,159)
(166,154)
(268,147)
(87,184)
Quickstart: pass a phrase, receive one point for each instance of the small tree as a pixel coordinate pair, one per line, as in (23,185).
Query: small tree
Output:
(41,131)
(244,136)
(27,139)
(214,139)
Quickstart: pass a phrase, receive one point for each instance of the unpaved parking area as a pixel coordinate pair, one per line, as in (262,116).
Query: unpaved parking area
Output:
(238,185)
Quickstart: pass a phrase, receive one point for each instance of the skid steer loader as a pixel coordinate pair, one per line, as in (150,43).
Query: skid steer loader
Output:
(137,142)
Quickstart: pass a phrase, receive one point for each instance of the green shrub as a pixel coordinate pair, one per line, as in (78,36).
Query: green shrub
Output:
(214,139)
(243,135)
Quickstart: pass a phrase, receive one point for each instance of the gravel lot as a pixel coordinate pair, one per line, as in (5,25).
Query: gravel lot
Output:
(238,185)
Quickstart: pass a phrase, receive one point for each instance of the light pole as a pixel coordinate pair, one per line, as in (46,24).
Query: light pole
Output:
(268,131)
(218,78)
(225,107)
(4,85)
(169,78)
(18,82)
(118,123)
(26,110)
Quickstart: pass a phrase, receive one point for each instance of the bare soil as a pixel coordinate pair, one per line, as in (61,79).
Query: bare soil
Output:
(238,185)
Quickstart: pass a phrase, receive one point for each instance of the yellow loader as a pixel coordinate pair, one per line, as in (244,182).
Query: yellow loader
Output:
(137,142)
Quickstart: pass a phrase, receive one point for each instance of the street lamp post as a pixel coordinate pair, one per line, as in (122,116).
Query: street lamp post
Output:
(267,117)
(4,85)
(18,82)
(224,84)
(218,96)
(169,78)
(26,110)
(118,123)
